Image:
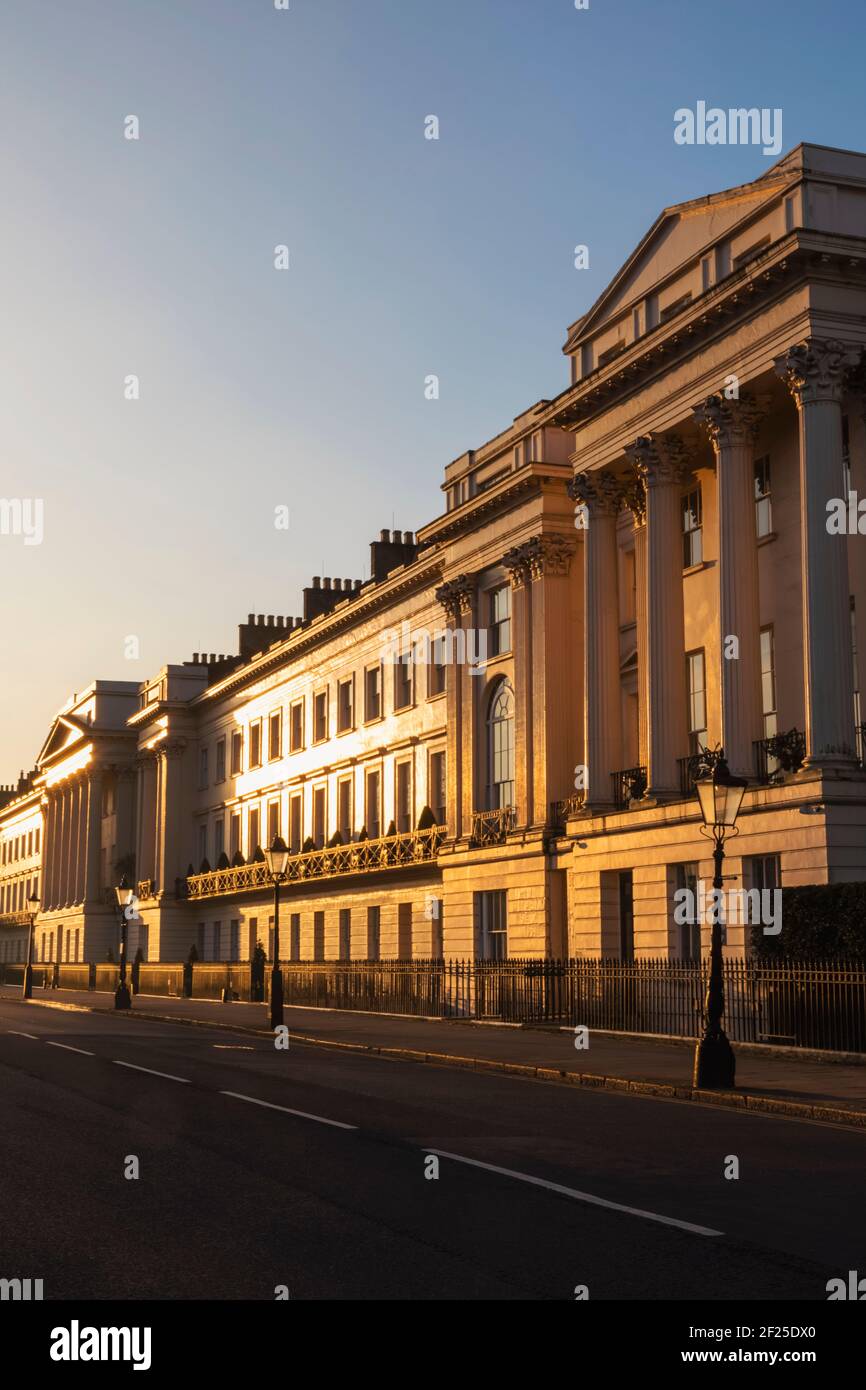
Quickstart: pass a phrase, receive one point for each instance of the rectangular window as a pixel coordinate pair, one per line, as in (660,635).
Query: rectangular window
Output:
(318,936)
(687,917)
(218,839)
(320,716)
(763,871)
(320,811)
(404,669)
(295,936)
(237,753)
(273,821)
(697,700)
(296,726)
(202,768)
(437,665)
(256,743)
(275,735)
(374,923)
(234,939)
(491,925)
(235,834)
(296,822)
(500,620)
(373,804)
(434,908)
(436,789)
(763,502)
(220,760)
(345,944)
(626,915)
(693,544)
(404,796)
(768,681)
(344,809)
(255,838)
(345,705)
(373,693)
(404,931)
(202,851)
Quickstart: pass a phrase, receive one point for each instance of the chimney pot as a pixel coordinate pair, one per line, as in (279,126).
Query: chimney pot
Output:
(260,619)
(317,581)
(408,538)
(395,537)
(384,536)
(270,620)
(251,617)
(326,582)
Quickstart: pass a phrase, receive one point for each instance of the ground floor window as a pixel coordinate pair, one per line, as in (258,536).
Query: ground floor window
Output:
(318,936)
(345,943)
(491,925)
(687,922)
(374,923)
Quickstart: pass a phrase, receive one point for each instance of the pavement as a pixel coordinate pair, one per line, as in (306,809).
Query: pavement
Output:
(776,1079)
(159,1159)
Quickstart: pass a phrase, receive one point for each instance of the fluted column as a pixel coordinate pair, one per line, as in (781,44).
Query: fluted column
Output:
(661,464)
(601,495)
(455,596)
(49,857)
(170,816)
(80,855)
(516,561)
(63,896)
(814,373)
(93,839)
(146,858)
(732,427)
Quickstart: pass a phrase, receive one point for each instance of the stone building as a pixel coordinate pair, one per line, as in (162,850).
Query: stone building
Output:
(662,559)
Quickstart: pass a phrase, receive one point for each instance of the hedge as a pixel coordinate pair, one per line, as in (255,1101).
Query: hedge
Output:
(819,921)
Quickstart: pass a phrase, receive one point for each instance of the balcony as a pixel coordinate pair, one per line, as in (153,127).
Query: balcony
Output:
(628,785)
(363,857)
(14,919)
(562,811)
(781,754)
(491,827)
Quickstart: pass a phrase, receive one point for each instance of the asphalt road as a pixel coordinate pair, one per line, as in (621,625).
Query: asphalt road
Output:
(262,1168)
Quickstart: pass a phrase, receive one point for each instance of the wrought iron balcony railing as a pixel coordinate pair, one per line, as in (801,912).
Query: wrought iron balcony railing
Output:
(628,785)
(361,857)
(562,811)
(779,754)
(491,827)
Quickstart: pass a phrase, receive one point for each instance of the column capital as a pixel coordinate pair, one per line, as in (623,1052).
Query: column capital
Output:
(730,422)
(814,370)
(659,459)
(456,595)
(601,492)
(537,557)
(172,748)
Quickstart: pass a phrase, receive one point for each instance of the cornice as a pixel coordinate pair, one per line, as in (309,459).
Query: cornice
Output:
(790,260)
(422,574)
(465,518)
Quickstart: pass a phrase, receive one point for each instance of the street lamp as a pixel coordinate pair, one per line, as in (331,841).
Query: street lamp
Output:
(125,895)
(720,796)
(277,861)
(27,987)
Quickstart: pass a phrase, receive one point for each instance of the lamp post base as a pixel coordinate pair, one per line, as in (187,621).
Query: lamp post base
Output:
(27,987)
(715,1065)
(276,998)
(122,998)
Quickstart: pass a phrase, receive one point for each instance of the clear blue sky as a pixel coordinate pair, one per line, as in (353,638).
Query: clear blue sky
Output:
(408,257)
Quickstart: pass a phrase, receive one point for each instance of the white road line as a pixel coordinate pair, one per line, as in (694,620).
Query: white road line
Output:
(579,1196)
(15,1033)
(302,1114)
(167,1076)
(66,1048)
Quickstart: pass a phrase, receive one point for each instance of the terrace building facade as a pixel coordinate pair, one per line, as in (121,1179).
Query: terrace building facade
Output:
(490,746)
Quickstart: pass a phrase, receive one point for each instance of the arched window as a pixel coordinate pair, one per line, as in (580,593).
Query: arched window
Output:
(500,747)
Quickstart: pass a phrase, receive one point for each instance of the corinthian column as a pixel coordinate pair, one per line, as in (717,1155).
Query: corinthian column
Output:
(732,426)
(601,495)
(814,373)
(456,598)
(661,463)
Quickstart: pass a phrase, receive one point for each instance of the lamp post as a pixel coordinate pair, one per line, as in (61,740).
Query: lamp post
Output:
(277,861)
(124,893)
(720,796)
(27,987)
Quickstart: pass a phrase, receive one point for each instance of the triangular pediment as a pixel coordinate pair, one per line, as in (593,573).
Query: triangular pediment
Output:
(66,732)
(680,235)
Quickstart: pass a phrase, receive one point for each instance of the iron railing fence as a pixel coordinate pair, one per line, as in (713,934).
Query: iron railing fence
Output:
(628,785)
(816,1004)
(491,827)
